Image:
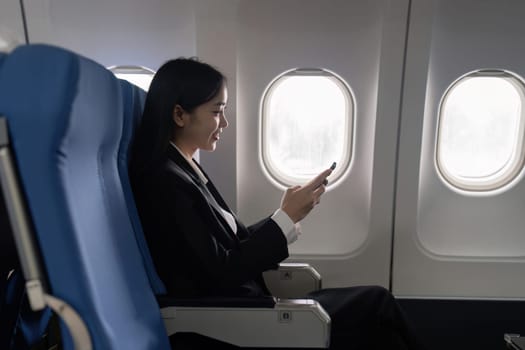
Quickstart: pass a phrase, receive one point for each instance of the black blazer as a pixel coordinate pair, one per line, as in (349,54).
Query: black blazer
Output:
(194,249)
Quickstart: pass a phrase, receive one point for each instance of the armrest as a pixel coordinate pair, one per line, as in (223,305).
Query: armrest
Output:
(513,341)
(239,302)
(300,323)
(293,280)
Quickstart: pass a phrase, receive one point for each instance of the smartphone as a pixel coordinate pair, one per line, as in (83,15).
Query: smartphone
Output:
(334,164)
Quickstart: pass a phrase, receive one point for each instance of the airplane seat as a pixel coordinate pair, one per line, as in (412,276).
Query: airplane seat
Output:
(134,98)
(64,116)
(240,321)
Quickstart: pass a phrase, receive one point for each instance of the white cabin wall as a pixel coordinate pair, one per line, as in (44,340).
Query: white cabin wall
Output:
(11,24)
(348,237)
(116,32)
(449,243)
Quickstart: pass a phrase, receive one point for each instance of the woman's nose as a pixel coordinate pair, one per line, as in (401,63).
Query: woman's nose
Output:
(223,122)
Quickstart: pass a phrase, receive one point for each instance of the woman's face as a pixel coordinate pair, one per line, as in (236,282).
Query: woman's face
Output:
(201,128)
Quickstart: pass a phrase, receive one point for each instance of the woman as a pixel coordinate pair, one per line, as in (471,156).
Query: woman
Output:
(198,245)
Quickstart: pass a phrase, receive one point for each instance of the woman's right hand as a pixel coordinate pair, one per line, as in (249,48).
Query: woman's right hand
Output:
(298,201)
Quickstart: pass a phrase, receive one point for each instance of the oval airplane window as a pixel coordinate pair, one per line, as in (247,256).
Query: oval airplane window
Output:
(480,131)
(137,75)
(306,124)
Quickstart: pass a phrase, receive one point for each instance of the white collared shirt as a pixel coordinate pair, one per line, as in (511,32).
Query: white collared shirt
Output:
(290,230)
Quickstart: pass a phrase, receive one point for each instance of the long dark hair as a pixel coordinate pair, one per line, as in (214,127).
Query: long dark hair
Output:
(183,81)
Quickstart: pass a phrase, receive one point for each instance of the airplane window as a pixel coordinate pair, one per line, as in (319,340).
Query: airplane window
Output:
(136,75)
(306,125)
(480,131)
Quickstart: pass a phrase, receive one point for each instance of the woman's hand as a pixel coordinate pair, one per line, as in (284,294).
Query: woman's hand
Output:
(298,201)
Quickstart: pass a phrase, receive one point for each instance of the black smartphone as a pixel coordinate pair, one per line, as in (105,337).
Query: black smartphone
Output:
(334,164)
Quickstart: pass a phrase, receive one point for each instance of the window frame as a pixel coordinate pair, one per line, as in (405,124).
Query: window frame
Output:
(512,170)
(276,177)
(129,69)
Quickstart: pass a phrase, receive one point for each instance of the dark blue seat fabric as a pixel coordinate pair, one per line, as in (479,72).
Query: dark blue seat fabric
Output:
(11,287)
(7,253)
(12,294)
(65,120)
(134,98)
(29,327)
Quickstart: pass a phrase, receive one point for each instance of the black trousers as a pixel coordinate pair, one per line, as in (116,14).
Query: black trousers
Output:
(366,318)
(363,318)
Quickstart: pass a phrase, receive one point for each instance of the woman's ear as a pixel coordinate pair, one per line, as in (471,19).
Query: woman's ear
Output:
(178,116)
